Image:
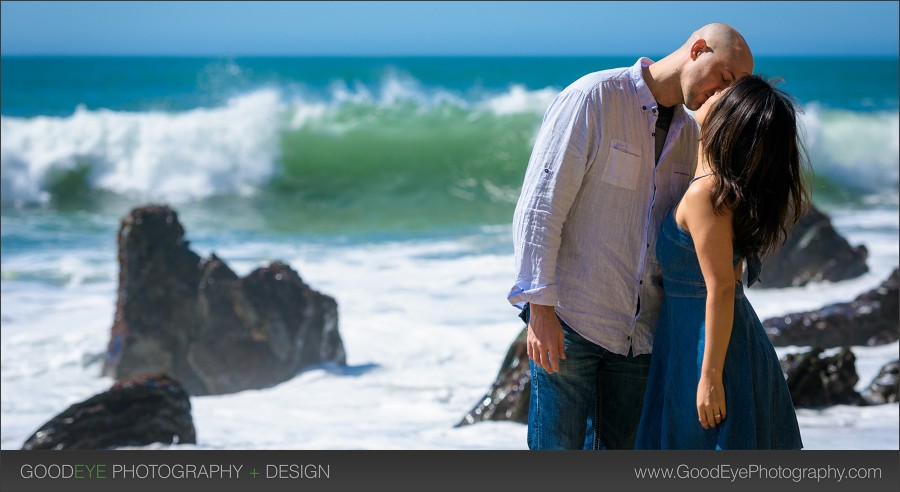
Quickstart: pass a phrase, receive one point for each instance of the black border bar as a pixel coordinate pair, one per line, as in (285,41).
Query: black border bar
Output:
(470,471)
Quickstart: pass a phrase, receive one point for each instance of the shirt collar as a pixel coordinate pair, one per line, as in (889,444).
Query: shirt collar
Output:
(637,77)
(647,101)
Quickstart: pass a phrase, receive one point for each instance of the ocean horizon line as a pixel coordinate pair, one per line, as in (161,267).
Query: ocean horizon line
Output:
(655,56)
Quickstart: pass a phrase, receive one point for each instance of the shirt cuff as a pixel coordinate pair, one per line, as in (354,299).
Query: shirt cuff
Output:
(545,296)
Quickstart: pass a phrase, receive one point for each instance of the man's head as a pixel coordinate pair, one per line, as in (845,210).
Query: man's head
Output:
(712,58)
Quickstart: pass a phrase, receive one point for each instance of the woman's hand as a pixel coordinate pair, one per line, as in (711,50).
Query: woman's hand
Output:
(710,401)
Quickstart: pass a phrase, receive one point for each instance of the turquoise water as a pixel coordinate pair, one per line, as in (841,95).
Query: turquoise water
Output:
(357,145)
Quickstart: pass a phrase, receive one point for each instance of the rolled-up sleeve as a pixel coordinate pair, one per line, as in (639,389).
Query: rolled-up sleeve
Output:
(552,181)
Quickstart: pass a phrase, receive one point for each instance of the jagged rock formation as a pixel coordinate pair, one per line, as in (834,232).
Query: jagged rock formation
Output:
(198,321)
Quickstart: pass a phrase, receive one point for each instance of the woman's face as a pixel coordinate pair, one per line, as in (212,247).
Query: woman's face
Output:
(703,110)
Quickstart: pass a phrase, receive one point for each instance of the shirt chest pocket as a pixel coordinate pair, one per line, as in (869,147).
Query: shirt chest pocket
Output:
(623,166)
(680,179)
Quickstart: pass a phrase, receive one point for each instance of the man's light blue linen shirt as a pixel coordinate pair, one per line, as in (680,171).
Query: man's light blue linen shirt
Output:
(592,205)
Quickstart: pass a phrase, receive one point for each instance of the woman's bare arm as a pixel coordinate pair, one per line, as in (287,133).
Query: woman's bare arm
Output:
(712,236)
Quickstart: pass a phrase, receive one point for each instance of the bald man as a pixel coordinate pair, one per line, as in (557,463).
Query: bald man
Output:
(615,151)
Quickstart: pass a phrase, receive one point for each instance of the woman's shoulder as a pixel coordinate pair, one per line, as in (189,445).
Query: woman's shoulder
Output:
(700,191)
(700,197)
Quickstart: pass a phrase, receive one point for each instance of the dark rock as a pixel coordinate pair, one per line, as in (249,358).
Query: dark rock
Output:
(508,398)
(147,409)
(886,385)
(197,320)
(260,329)
(813,251)
(873,318)
(816,381)
(156,310)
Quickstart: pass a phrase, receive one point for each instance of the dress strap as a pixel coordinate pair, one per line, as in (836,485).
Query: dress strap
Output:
(698,177)
(675,208)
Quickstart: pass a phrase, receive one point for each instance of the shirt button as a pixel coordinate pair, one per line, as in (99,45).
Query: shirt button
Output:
(641,282)
(644,108)
(653,134)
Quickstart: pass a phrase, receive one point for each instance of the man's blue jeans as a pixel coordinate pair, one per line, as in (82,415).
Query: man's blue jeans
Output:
(593,402)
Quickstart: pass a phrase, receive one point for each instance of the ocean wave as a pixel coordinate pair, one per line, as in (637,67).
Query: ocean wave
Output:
(358,144)
(174,156)
(860,151)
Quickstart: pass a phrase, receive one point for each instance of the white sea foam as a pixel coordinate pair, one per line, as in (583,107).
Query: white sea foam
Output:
(149,155)
(857,149)
(425,324)
(520,100)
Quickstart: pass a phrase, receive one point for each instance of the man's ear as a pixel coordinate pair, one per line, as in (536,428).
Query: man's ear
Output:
(698,47)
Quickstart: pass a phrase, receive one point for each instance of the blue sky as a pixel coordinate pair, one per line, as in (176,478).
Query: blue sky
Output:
(438,28)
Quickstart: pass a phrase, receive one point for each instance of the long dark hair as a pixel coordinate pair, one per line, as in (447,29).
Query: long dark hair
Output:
(752,144)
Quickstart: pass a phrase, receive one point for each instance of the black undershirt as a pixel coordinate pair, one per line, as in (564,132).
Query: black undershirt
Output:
(663,120)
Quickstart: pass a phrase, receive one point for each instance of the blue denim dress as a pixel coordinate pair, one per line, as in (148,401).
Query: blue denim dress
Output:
(759,411)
